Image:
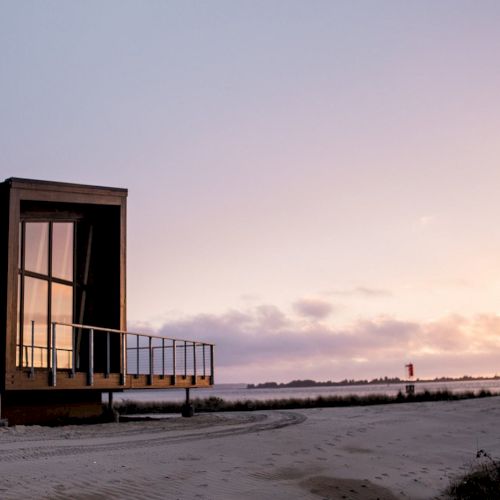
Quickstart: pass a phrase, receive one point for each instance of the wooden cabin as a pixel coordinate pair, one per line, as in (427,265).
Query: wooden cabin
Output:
(63,332)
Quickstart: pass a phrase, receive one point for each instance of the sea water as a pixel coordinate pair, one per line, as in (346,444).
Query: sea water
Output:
(239,392)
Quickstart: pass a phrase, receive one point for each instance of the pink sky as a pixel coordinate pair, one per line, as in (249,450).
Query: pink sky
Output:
(314,186)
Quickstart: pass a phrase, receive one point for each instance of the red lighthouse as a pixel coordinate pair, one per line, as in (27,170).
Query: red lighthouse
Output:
(410,387)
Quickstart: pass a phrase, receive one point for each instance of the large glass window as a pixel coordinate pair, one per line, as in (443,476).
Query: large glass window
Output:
(62,311)
(62,250)
(36,293)
(36,244)
(46,291)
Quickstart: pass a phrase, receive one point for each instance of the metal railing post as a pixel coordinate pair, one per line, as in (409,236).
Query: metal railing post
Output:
(151,368)
(194,362)
(123,364)
(90,375)
(54,356)
(32,371)
(185,358)
(162,358)
(108,355)
(204,361)
(174,361)
(212,364)
(73,350)
(137,359)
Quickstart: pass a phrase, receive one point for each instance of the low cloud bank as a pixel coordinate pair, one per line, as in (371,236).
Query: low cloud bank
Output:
(264,342)
(313,308)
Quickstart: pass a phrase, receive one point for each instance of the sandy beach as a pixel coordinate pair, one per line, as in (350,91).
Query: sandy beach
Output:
(407,451)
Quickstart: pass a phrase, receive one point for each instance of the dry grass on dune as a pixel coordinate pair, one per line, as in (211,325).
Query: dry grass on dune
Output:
(215,404)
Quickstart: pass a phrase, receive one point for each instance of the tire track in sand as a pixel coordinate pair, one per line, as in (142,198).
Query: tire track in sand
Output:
(66,447)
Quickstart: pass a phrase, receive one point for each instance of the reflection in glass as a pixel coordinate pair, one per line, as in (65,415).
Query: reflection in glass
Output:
(62,250)
(35,309)
(62,311)
(36,247)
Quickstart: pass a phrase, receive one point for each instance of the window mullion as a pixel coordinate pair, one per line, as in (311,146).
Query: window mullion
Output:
(21,295)
(49,297)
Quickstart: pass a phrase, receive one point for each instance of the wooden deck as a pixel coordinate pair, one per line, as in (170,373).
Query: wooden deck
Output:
(114,360)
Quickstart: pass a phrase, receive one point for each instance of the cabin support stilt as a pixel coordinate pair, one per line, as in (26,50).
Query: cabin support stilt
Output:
(3,422)
(187,409)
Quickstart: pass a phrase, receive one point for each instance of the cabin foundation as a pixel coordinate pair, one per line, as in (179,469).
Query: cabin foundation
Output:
(3,421)
(36,407)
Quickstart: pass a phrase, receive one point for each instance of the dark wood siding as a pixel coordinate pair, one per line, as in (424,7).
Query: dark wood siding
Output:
(99,215)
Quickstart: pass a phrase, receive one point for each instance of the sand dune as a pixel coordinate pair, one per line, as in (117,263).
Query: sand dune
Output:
(407,451)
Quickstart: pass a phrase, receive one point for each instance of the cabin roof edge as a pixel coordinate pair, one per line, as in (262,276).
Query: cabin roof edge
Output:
(36,184)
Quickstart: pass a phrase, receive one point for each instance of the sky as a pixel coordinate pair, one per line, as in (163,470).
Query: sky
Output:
(313,185)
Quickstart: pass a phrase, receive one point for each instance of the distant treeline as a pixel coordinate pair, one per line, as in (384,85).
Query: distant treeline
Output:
(347,382)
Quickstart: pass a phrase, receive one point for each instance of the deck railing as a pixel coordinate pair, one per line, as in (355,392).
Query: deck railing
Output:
(139,354)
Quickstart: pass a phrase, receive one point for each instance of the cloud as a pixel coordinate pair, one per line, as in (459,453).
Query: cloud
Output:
(363,291)
(264,343)
(313,308)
